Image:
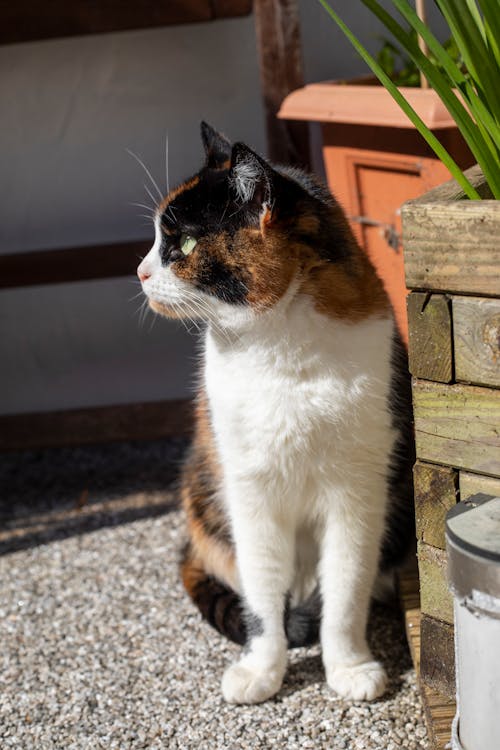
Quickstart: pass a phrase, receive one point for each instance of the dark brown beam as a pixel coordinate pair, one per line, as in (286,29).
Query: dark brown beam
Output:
(96,425)
(24,21)
(71,264)
(277,26)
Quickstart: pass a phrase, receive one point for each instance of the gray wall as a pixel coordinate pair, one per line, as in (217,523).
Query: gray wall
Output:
(69,110)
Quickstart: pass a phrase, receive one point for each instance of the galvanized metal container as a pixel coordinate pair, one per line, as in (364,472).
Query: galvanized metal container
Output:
(473,545)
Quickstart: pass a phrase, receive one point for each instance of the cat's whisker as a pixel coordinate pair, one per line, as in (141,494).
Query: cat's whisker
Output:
(211,317)
(139,161)
(237,211)
(171,213)
(196,320)
(143,205)
(153,321)
(148,191)
(143,311)
(224,213)
(136,295)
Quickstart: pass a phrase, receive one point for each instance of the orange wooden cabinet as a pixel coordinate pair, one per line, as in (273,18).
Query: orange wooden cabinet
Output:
(375,160)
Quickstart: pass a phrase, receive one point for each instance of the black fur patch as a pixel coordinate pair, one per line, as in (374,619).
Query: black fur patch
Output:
(220,281)
(400,522)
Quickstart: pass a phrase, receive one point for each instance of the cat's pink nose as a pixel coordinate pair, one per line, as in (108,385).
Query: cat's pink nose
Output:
(143,273)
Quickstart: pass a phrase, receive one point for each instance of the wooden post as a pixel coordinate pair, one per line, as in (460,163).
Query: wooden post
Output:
(277,27)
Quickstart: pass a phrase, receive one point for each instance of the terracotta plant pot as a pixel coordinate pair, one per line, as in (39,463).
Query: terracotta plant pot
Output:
(375,160)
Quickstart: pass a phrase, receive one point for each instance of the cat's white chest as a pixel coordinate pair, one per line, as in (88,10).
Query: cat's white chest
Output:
(285,402)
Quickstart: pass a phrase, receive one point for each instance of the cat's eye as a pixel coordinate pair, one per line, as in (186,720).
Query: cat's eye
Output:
(187,244)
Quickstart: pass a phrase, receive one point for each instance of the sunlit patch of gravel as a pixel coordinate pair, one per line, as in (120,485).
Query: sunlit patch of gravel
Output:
(100,647)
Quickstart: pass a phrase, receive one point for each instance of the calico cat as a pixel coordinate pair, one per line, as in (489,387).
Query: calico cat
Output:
(297,489)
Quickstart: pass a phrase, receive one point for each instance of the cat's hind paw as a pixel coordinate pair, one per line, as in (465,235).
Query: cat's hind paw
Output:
(243,683)
(358,682)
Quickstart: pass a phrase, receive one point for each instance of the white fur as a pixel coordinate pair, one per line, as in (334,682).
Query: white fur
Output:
(245,176)
(299,412)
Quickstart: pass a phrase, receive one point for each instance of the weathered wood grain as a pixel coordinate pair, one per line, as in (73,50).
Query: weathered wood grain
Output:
(277,27)
(71,264)
(435,597)
(450,243)
(430,337)
(453,246)
(439,714)
(409,597)
(436,489)
(439,708)
(471,484)
(437,659)
(458,425)
(476,336)
(24,21)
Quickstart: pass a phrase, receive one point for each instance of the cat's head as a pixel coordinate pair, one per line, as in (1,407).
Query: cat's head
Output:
(238,238)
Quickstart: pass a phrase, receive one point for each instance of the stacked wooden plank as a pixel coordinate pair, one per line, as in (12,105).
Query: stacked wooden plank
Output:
(452,265)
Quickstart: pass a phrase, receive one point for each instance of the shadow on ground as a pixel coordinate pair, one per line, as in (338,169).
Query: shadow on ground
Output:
(56,493)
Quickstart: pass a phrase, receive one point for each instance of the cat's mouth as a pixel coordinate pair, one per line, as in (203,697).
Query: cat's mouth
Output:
(168,311)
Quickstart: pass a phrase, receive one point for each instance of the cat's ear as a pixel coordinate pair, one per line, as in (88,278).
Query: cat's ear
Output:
(251,177)
(217,147)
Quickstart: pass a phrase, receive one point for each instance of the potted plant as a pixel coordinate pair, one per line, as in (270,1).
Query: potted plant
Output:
(452,264)
(375,158)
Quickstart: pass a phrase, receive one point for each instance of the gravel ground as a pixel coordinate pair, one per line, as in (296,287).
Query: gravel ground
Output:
(101,648)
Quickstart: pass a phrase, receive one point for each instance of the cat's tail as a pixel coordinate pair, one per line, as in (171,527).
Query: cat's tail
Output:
(218,603)
(223,609)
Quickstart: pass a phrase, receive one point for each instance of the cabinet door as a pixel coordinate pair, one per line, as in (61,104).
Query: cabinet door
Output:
(371,186)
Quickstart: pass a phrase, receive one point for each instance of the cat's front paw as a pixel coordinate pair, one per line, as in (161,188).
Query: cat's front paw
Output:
(358,682)
(245,683)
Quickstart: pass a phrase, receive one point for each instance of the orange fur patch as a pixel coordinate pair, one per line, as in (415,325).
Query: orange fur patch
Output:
(347,290)
(207,524)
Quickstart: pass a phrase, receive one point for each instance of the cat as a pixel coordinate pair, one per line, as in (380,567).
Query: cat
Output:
(298,488)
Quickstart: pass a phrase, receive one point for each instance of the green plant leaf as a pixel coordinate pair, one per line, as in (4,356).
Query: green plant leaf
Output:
(484,119)
(491,13)
(479,137)
(481,65)
(431,139)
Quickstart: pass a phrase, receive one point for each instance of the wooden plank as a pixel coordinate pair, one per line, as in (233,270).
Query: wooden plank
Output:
(430,350)
(145,421)
(458,425)
(439,712)
(439,709)
(437,656)
(453,247)
(451,244)
(476,336)
(71,264)
(471,484)
(277,25)
(25,21)
(435,597)
(436,490)
(409,596)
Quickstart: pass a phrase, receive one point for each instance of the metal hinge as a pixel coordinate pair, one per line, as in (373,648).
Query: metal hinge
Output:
(389,232)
